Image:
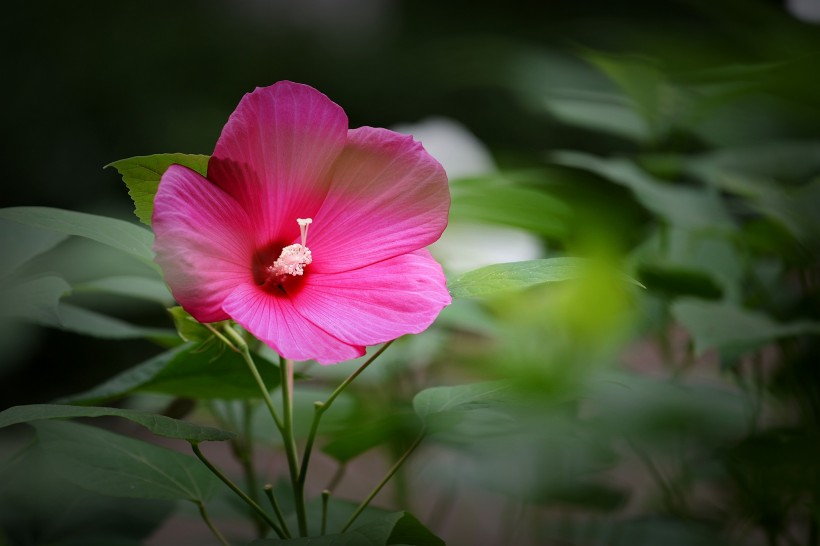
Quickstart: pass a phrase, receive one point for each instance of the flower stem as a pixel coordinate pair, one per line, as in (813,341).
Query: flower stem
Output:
(384,481)
(242,348)
(276,510)
(286,369)
(242,495)
(204,513)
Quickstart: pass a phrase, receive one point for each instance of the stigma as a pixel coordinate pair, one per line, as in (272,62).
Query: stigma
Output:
(294,258)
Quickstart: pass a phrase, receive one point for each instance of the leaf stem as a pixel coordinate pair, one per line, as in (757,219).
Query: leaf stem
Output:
(242,495)
(321,407)
(286,369)
(276,510)
(325,499)
(204,513)
(384,481)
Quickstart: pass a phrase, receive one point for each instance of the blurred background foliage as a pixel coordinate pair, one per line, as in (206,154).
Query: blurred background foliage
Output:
(674,142)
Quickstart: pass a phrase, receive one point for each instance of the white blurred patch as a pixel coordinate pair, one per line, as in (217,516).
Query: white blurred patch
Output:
(465,246)
(807,11)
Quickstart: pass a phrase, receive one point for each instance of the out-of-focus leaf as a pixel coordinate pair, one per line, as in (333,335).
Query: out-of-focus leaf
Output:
(608,113)
(679,281)
(758,174)
(680,262)
(84,321)
(158,424)
(142,174)
(19,244)
(786,161)
(774,467)
(195,370)
(349,442)
(573,92)
(118,466)
(459,398)
(725,326)
(498,201)
(514,276)
(681,206)
(400,528)
(641,531)
(129,238)
(661,104)
(37,507)
(36,300)
(132,286)
(662,411)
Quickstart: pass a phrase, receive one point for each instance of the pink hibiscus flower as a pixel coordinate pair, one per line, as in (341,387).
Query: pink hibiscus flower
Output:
(308,234)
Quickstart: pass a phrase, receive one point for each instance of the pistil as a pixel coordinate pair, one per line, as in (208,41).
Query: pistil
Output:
(294,258)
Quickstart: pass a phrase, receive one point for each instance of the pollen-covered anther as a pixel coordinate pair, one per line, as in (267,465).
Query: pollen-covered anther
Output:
(295,257)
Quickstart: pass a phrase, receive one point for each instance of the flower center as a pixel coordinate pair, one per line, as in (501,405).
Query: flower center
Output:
(293,259)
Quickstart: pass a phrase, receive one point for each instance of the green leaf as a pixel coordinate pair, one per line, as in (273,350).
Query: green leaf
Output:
(131,286)
(142,175)
(38,507)
(158,424)
(195,370)
(497,278)
(188,327)
(725,326)
(84,321)
(459,398)
(499,201)
(118,466)
(400,528)
(679,281)
(598,111)
(36,300)
(19,244)
(680,206)
(361,435)
(118,234)
(662,105)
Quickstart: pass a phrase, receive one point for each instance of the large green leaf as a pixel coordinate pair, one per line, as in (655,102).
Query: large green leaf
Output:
(119,466)
(19,244)
(91,323)
(598,111)
(118,234)
(362,434)
(499,201)
(459,398)
(195,370)
(158,424)
(131,286)
(38,506)
(725,326)
(681,206)
(662,105)
(497,278)
(142,174)
(400,528)
(36,300)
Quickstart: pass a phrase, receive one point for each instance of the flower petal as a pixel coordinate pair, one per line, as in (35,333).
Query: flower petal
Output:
(274,320)
(387,197)
(377,303)
(274,154)
(202,242)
